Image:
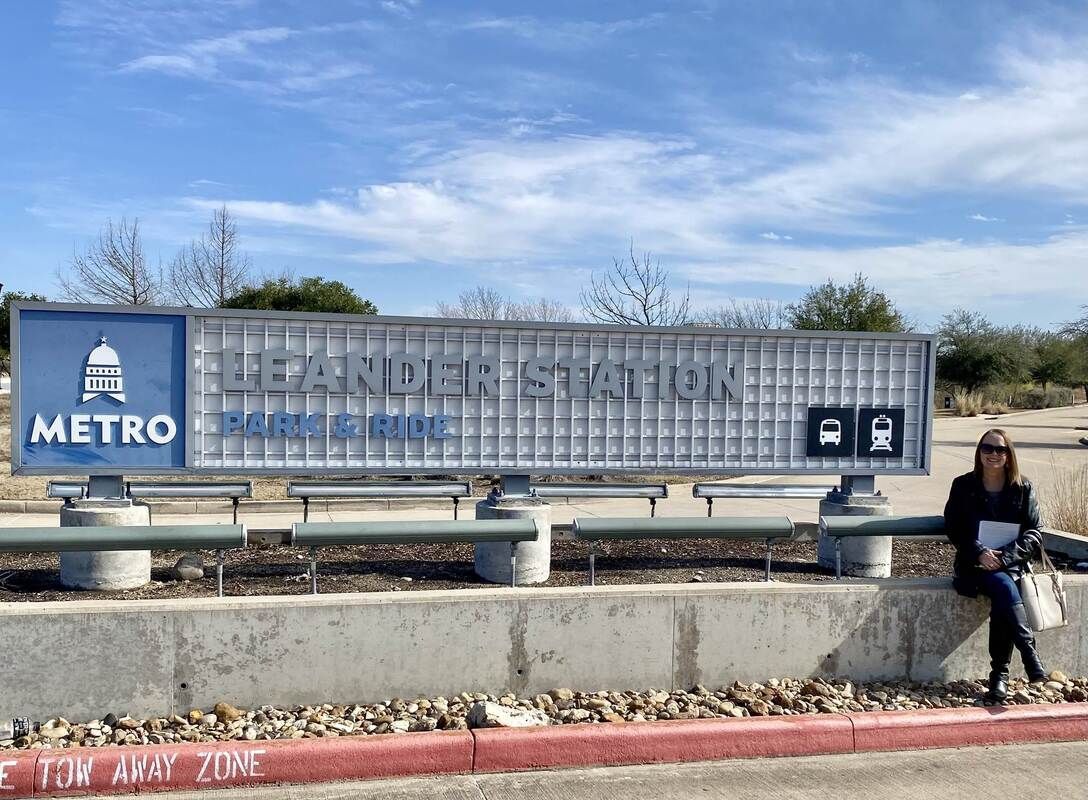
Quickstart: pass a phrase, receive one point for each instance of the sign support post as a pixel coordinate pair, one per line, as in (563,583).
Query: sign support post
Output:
(106,487)
(112,570)
(516,563)
(860,556)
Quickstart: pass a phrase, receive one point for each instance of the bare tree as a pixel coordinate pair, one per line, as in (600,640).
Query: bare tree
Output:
(544,310)
(480,302)
(1078,327)
(483,302)
(635,292)
(757,314)
(210,270)
(112,270)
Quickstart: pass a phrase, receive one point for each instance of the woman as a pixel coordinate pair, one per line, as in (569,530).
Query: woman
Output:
(996,491)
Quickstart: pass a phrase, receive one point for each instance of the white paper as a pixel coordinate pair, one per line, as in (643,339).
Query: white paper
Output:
(995,535)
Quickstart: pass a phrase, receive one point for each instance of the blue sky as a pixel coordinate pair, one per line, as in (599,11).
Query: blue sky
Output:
(414,148)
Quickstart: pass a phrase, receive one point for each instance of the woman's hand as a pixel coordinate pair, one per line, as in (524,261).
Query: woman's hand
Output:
(989,560)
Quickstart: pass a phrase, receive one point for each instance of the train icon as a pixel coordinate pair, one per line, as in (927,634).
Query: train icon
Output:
(881,434)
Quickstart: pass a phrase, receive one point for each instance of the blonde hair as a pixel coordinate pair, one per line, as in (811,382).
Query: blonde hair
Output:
(1012,466)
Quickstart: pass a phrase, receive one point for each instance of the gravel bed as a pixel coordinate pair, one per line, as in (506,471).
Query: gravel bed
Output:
(775,697)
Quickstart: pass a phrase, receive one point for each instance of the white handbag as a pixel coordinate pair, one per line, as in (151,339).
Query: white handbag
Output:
(1044,596)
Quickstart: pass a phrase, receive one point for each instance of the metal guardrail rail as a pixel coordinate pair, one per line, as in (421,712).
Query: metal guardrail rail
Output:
(66,490)
(128,537)
(232,490)
(328,534)
(651,491)
(341,490)
(847,527)
(596,529)
(722,491)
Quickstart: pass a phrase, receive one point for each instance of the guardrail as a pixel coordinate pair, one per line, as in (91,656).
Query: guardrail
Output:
(233,490)
(651,491)
(596,529)
(341,490)
(846,527)
(721,491)
(66,490)
(219,538)
(328,534)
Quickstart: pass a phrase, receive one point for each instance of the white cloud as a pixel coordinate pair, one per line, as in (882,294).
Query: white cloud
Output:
(874,149)
(989,277)
(172,65)
(402,8)
(517,191)
(201,183)
(561,34)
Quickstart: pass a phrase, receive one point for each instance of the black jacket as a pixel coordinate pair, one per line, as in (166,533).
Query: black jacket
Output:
(966,507)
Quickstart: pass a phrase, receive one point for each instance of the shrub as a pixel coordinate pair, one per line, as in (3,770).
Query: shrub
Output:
(967,404)
(995,408)
(1036,397)
(1066,502)
(1030,398)
(1058,396)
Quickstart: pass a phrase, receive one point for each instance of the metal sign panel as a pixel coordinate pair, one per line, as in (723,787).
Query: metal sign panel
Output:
(211,391)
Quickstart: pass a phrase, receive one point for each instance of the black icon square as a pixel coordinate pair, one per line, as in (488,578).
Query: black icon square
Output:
(830,432)
(880,432)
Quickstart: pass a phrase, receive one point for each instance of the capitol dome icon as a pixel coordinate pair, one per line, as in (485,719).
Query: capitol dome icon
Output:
(102,375)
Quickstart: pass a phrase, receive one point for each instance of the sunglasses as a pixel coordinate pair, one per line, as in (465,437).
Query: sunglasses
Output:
(990,449)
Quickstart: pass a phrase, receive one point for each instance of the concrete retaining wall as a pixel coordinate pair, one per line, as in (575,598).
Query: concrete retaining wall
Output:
(83,659)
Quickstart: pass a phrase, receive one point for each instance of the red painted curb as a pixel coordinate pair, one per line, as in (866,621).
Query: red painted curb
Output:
(513,749)
(114,770)
(117,770)
(965,727)
(17,773)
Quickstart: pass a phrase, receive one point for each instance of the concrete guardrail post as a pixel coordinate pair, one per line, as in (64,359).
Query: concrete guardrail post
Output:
(534,559)
(862,556)
(112,570)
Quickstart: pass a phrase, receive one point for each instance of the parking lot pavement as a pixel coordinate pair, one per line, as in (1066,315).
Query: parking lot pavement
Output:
(1035,770)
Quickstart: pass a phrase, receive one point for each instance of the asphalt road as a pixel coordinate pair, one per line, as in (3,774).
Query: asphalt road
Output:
(1023,772)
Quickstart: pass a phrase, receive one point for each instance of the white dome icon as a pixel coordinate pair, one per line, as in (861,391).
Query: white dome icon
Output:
(102,375)
(103,356)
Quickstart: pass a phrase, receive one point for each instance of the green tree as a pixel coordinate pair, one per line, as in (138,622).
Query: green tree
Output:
(854,306)
(1054,356)
(1077,334)
(306,294)
(5,324)
(1078,367)
(972,351)
(1020,346)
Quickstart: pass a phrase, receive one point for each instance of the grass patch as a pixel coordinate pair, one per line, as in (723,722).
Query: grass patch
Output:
(1067,501)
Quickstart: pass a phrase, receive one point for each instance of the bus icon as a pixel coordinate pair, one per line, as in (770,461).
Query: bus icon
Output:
(830,432)
(882,434)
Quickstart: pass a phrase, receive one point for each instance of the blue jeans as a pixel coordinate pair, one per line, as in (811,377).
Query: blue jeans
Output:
(1002,590)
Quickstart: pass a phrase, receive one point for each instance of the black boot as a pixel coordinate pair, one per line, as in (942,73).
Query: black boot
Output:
(1024,639)
(1000,643)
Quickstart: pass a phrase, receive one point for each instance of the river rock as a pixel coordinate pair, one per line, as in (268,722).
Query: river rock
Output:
(491,715)
(227,712)
(189,568)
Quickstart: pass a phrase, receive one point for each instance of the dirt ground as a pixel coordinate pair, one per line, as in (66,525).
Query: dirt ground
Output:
(276,570)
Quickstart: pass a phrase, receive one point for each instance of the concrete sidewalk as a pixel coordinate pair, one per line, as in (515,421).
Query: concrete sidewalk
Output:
(1047,443)
(1025,772)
